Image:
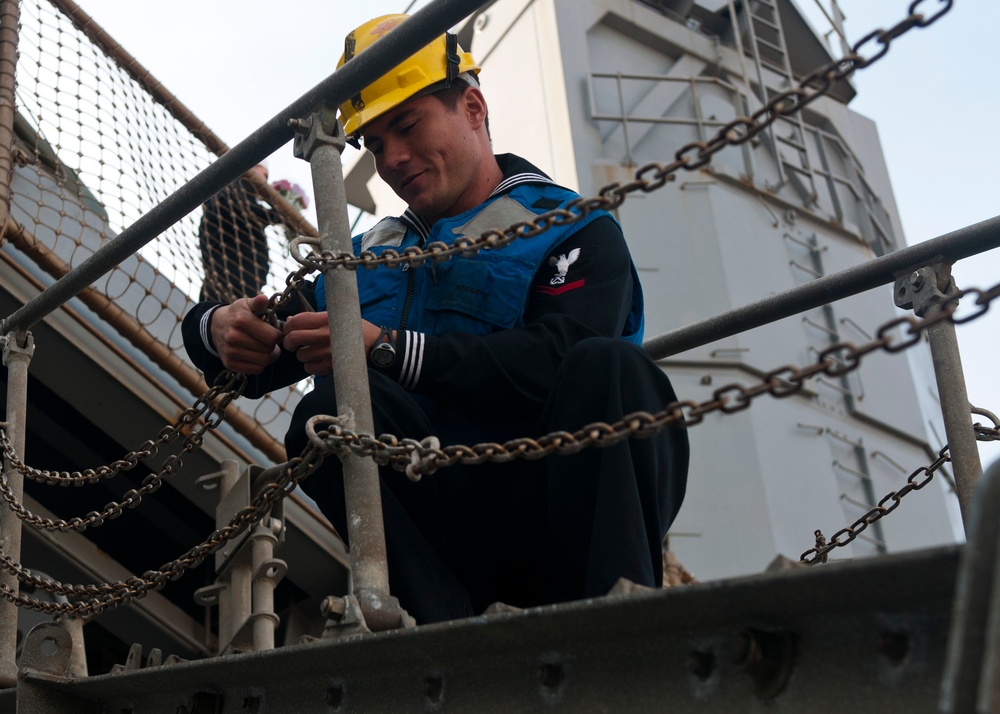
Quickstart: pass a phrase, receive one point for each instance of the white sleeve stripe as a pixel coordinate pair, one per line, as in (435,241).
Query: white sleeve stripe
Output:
(404,374)
(203,330)
(413,359)
(420,359)
(406,377)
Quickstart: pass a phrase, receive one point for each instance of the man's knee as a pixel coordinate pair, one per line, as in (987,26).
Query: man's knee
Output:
(601,353)
(611,371)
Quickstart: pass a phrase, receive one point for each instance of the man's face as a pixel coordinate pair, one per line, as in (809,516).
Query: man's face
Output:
(427,153)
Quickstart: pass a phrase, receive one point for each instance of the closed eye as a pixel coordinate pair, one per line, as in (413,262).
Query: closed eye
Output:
(399,126)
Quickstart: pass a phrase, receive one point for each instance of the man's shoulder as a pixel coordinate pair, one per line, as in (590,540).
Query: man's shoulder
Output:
(512,165)
(522,178)
(391,232)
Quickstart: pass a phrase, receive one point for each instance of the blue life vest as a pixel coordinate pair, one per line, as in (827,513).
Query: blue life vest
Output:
(480,294)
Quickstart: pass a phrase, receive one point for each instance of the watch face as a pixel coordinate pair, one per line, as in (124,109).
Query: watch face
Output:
(383,354)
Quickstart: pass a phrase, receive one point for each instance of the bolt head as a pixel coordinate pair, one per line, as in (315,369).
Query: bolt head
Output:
(333,607)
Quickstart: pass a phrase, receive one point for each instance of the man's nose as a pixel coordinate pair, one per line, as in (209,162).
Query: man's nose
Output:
(395,153)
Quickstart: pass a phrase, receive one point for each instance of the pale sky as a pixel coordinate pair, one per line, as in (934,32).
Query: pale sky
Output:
(934,98)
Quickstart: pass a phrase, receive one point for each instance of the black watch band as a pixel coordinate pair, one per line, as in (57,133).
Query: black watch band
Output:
(383,354)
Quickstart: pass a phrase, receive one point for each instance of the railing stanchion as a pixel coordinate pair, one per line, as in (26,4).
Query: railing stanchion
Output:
(923,291)
(320,141)
(17,351)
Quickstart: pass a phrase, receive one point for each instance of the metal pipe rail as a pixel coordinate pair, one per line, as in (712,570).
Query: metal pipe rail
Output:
(948,248)
(426,24)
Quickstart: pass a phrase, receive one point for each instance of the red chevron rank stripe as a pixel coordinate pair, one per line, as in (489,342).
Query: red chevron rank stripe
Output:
(549,290)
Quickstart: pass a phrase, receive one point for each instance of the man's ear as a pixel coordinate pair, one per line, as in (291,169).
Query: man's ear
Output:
(474,105)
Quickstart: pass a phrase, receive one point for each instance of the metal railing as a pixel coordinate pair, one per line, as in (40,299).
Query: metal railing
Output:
(884,270)
(872,220)
(318,142)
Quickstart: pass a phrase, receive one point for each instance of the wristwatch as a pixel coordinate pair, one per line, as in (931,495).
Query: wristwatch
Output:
(383,354)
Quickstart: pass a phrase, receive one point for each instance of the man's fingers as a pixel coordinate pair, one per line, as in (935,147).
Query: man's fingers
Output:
(298,339)
(307,321)
(249,362)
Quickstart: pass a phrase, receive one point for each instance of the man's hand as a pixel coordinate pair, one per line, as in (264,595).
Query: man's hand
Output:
(307,334)
(245,343)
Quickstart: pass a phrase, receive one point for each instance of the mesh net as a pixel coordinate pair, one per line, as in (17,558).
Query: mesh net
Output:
(95,150)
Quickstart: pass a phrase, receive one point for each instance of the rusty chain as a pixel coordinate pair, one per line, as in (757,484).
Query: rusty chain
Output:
(420,457)
(417,457)
(914,482)
(209,408)
(648,178)
(111,595)
(425,457)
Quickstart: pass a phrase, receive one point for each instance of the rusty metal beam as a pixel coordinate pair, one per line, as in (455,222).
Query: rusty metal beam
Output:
(866,636)
(971,680)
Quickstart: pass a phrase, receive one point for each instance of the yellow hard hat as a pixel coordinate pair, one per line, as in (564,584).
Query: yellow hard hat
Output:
(438,63)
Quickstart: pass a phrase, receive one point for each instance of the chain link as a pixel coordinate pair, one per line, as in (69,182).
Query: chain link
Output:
(916,481)
(416,457)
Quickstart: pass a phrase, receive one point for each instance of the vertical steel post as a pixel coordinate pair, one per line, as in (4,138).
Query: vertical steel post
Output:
(17,347)
(320,141)
(923,291)
(17,351)
(955,408)
(266,573)
(234,600)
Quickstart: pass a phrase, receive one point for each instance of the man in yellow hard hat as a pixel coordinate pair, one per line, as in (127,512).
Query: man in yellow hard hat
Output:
(542,335)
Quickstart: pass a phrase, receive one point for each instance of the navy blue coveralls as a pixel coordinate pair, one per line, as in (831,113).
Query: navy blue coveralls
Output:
(536,337)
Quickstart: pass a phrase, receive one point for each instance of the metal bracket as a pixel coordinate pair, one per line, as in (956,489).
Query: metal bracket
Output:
(346,615)
(924,288)
(47,653)
(318,129)
(46,666)
(17,343)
